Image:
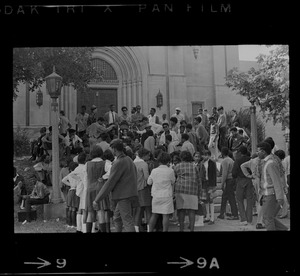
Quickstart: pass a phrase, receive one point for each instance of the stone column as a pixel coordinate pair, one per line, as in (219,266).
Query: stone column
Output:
(140,96)
(128,99)
(124,96)
(133,93)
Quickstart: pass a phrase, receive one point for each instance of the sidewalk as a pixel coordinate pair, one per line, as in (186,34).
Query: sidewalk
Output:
(224,225)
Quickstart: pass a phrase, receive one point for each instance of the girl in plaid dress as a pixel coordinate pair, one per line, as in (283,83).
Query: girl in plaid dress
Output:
(187,189)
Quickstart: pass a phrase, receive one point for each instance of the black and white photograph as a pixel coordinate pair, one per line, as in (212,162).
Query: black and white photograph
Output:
(130,120)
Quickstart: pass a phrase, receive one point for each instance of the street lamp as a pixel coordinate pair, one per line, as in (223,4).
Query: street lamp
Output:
(253,127)
(53,85)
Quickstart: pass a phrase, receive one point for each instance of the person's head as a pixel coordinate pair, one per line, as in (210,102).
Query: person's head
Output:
(183,123)
(144,154)
(185,137)
(50,129)
(270,141)
(212,120)
(43,130)
(240,132)
(242,150)
(181,129)
(124,110)
(138,108)
(168,138)
(224,151)
(233,130)
(100,120)
(112,107)
(280,154)
(133,110)
(165,126)
(164,158)
(96,151)
(72,132)
(104,136)
(220,110)
(236,124)
(197,156)
(205,111)
(108,155)
(94,109)
(233,112)
(173,121)
(152,111)
(186,156)
(189,127)
(206,155)
(72,166)
(117,146)
(177,110)
(197,120)
(81,158)
(263,150)
(214,109)
(83,109)
(200,111)
(149,132)
(62,113)
(164,116)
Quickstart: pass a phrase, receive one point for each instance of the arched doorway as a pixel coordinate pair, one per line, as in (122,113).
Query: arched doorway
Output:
(102,92)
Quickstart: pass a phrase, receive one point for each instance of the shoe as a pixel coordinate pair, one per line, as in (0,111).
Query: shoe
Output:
(282,217)
(220,217)
(233,218)
(206,220)
(22,208)
(25,221)
(228,214)
(243,223)
(211,222)
(260,226)
(255,214)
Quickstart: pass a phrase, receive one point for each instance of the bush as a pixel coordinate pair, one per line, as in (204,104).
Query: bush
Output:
(21,142)
(245,117)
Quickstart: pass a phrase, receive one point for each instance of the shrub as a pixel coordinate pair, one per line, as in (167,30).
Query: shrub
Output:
(21,142)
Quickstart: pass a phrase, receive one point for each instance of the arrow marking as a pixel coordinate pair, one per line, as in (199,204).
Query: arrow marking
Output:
(186,263)
(44,263)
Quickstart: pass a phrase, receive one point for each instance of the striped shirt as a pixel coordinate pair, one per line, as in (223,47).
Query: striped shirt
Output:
(188,178)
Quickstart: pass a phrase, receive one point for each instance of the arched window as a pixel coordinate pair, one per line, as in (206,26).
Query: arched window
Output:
(105,70)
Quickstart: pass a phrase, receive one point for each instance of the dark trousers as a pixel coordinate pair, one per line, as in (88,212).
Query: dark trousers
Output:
(123,215)
(34,201)
(222,138)
(228,195)
(270,209)
(244,189)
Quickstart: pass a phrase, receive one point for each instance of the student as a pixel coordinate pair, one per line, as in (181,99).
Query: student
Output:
(80,172)
(19,188)
(187,189)
(72,199)
(144,190)
(39,195)
(208,171)
(172,146)
(213,138)
(186,144)
(162,179)
(64,171)
(95,169)
(149,143)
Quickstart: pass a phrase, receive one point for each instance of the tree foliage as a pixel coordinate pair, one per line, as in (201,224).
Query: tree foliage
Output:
(267,86)
(32,65)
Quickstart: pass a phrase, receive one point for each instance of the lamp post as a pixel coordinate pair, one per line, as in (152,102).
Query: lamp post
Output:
(53,85)
(253,127)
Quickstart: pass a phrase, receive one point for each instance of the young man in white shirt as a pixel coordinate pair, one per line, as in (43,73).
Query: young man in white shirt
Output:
(73,143)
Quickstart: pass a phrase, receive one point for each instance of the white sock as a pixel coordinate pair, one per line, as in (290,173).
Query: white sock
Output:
(79,222)
(212,211)
(93,227)
(136,229)
(148,228)
(207,211)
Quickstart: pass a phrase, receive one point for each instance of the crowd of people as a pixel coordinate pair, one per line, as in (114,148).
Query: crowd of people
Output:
(141,172)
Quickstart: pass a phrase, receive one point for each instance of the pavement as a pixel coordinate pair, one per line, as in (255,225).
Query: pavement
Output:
(224,225)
